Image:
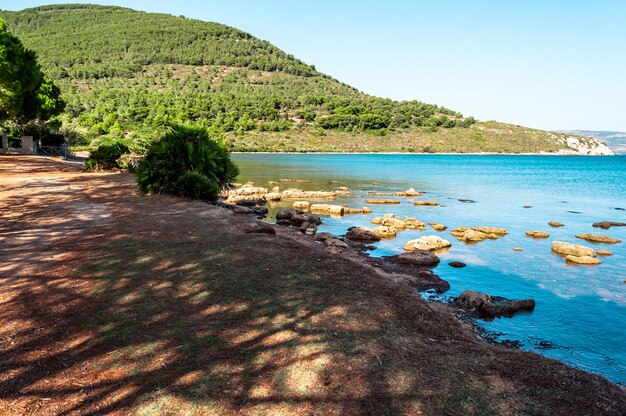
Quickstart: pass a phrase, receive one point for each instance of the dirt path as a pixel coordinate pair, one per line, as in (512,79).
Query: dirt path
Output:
(116,303)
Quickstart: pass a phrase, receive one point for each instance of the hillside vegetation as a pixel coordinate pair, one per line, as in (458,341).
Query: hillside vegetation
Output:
(127,75)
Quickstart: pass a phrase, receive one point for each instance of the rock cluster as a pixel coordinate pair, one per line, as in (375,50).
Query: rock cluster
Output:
(296,218)
(475,234)
(400,224)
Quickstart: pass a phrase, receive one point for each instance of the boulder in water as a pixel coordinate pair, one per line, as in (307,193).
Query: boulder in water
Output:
(582,259)
(492,306)
(572,249)
(596,238)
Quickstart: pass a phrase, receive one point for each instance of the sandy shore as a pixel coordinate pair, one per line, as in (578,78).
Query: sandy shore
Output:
(119,303)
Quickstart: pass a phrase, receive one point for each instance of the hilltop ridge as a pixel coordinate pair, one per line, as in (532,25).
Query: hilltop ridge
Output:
(127,74)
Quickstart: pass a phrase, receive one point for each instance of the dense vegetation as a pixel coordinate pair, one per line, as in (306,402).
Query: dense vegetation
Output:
(28,99)
(127,75)
(186,162)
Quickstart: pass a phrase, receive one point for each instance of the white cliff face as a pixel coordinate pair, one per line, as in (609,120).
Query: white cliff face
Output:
(585,146)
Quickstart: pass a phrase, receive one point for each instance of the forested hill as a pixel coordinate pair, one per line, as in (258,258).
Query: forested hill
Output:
(127,74)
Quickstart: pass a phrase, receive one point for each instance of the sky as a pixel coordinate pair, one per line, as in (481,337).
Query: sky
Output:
(550,64)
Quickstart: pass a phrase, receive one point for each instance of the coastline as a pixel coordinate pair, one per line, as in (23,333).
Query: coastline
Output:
(360,325)
(425,154)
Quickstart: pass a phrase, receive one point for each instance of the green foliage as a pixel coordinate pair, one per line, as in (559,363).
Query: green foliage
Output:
(25,94)
(123,71)
(186,162)
(106,156)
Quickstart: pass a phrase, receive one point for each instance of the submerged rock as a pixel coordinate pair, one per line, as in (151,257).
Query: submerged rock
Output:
(595,238)
(608,224)
(457,264)
(492,306)
(467,201)
(604,253)
(582,259)
(572,249)
(555,224)
(429,243)
(382,201)
(426,203)
(537,234)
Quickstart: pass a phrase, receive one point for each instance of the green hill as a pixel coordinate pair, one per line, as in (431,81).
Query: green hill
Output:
(127,74)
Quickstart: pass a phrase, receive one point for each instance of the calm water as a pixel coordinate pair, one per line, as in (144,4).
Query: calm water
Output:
(580,316)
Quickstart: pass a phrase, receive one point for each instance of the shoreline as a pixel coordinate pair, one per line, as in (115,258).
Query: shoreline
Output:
(426,154)
(270,311)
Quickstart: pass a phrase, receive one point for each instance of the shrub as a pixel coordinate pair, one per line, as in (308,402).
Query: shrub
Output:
(105,156)
(186,162)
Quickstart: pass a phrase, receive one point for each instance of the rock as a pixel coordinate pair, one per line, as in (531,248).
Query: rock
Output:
(272,183)
(528,206)
(457,264)
(595,238)
(400,224)
(260,211)
(327,209)
(308,228)
(409,192)
(335,242)
(362,234)
(372,193)
(276,189)
(467,201)
(418,258)
(285,180)
(608,224)
(384,232)
(572,249)
(492,230)
(323,236)
(299,219)
(300,194)
(472,236)
(259,227)
(492,306)
(347,210)
(426,203)
(303,181)
(285,214)
(555,224)
(303,205)
(430,243)
(273,196)
(250,202)
(582,259)
(238,209)
(437,227)
(314,219)
(382,201)
(342,189)
(249,190)
(518,249)
(537,234)
(367,210)
(604,253)
(283,223)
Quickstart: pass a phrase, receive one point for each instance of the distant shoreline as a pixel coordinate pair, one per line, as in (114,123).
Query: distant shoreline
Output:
(423,154)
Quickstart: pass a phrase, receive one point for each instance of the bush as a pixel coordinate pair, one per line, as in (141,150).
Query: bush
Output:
(186,162)
(105,156)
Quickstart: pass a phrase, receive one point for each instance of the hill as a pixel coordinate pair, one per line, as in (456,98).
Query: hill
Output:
(127,74)
(615,140)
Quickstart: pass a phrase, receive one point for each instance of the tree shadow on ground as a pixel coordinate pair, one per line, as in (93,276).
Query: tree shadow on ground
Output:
(116,303)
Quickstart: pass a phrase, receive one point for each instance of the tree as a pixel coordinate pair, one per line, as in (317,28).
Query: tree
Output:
(25,93)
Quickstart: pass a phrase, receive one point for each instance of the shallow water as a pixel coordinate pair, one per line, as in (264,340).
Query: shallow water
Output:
(580,317)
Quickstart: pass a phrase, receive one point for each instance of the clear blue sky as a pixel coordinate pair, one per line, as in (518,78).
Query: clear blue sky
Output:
(550,64)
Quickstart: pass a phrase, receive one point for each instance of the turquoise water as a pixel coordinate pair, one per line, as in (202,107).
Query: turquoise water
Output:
(580,317)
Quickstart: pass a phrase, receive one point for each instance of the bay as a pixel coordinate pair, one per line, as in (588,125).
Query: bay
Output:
(580,316)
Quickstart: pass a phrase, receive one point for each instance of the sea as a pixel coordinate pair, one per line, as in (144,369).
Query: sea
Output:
(580,314)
